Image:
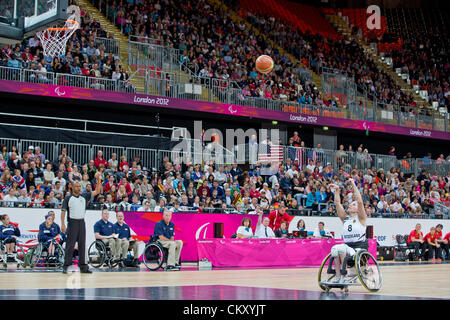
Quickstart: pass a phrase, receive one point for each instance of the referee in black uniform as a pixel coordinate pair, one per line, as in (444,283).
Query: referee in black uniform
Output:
(75,205)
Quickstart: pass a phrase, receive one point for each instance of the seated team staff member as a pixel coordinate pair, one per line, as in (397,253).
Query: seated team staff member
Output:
(301,226)
(124,240)
(416,241)
(165,233)
(446,241)
(8,235)
(282,232)
(442,242)
(433,246)
(245,229)
(47,233)
(322,232)
(104,230)
(262,228)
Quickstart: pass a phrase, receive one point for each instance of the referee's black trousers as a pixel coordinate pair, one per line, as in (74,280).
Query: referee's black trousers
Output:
(76,232)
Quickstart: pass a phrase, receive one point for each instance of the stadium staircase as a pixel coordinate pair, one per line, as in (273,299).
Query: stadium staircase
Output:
(137,73)
(344,28)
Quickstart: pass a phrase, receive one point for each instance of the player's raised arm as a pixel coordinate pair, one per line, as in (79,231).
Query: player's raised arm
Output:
(361,210)
(259,219)
(337,201)
(98,187)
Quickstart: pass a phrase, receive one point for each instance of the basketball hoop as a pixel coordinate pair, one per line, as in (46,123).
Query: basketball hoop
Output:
(54,39)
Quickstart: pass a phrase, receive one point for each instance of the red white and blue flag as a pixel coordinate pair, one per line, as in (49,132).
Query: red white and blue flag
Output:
(268,153)
(296,155)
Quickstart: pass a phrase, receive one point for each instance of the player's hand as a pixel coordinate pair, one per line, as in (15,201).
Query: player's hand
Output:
(334,186)
(63,228)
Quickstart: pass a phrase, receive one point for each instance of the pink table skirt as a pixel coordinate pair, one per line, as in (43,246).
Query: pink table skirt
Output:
(268,252)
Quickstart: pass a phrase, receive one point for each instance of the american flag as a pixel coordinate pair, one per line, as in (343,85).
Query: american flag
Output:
(296,155)
(268,153)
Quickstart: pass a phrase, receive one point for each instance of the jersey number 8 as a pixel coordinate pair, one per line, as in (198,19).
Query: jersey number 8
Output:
(349,228)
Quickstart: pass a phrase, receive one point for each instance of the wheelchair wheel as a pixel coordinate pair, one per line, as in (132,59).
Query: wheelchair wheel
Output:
(3,256)
(59,254)
(368,271)
(110,259)
(153,256)
(20,255)
(36,258)
(97,254)
(326,271)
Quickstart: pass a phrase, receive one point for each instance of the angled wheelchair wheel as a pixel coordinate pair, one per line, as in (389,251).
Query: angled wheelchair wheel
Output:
(20,255)
(3,257)
(97,254)
(368,271)
(326,271)
(36,257)
(153,256)
(110,258)
(60,255)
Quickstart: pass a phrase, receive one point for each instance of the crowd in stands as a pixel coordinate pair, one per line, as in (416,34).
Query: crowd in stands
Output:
(425,59)
(127,185)
(343,55)
(83,57)
(210,42)
(207,37)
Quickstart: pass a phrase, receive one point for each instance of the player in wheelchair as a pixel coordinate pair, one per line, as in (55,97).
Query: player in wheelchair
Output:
(162,246)
(125,243)
(11,250)
(104,250)
(49,248)
(353,252)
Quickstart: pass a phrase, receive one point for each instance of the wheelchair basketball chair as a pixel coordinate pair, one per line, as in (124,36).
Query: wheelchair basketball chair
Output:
(99,254)
(403,251)
(367,271)
(155,255)
(18,256)
(41,258)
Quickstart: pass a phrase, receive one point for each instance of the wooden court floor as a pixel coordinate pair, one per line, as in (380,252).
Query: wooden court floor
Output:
(421,280)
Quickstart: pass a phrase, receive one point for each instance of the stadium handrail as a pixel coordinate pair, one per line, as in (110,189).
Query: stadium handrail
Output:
(348,161)
(292,212)
(219,89)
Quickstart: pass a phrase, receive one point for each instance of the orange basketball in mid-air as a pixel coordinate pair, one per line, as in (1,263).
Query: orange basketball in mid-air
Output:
(264,64)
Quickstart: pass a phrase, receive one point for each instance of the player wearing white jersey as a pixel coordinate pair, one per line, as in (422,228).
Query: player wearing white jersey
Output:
(354,228)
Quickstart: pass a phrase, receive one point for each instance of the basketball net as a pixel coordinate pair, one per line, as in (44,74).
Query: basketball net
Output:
(54,39)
